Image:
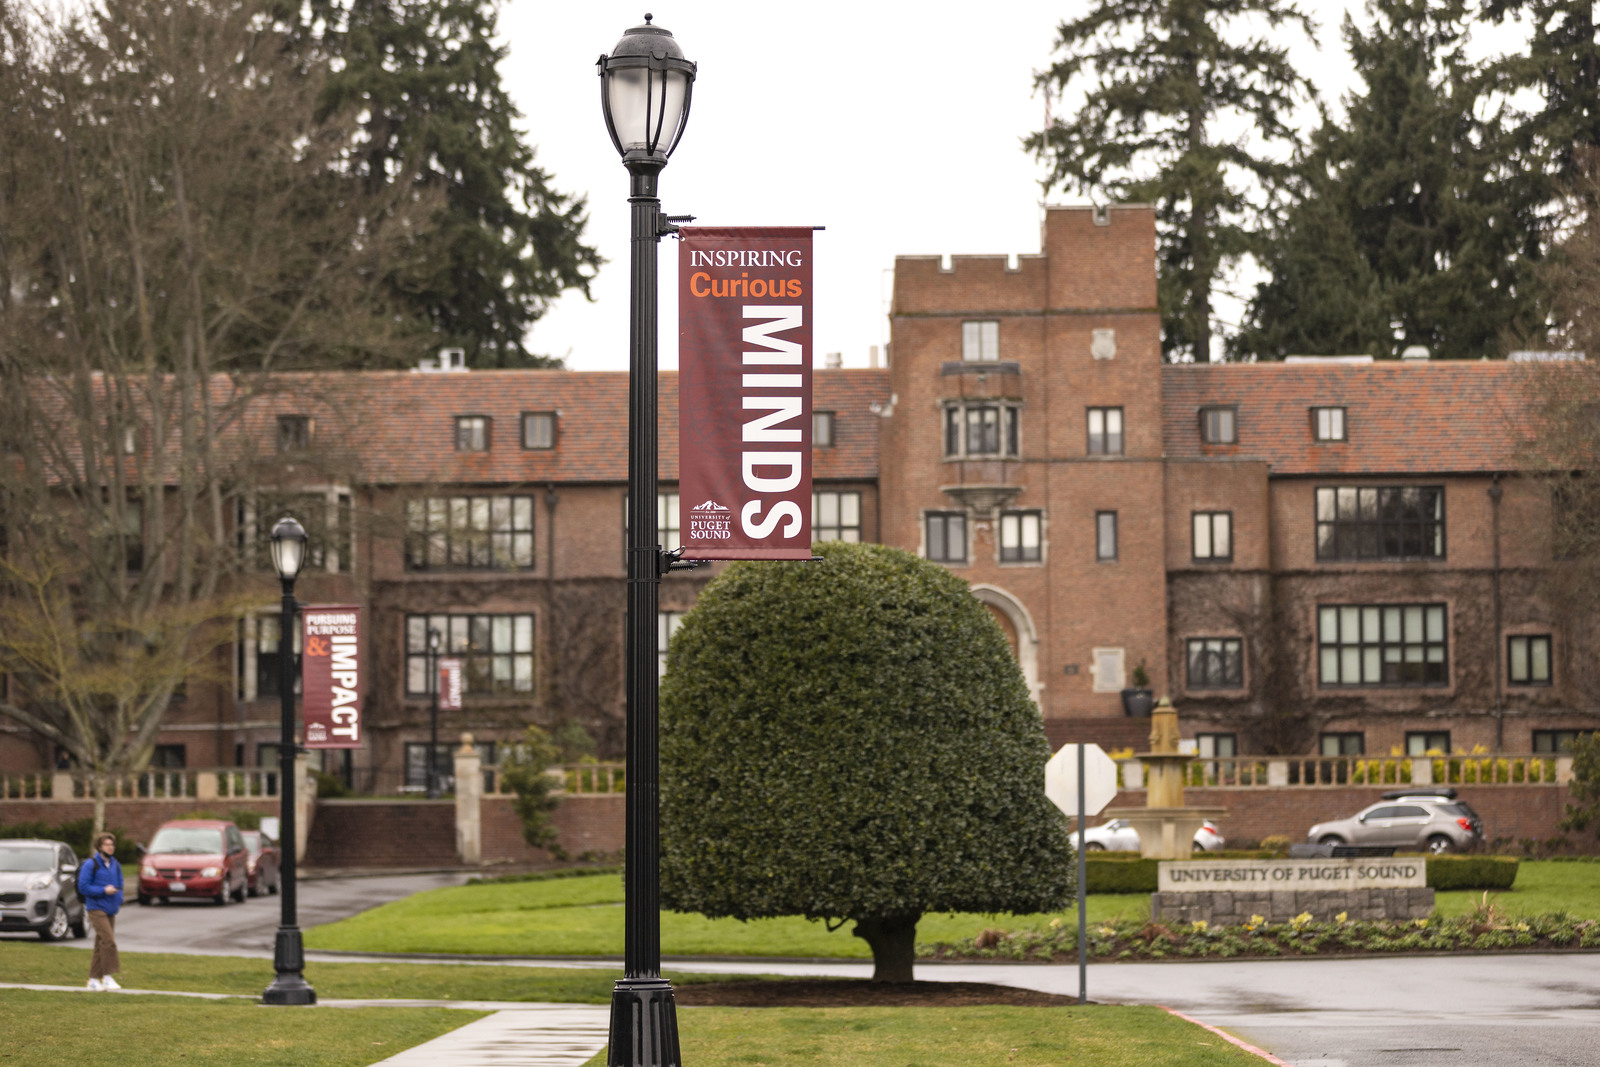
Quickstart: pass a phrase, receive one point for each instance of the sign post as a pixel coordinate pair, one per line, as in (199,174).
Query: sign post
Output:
(1081,780)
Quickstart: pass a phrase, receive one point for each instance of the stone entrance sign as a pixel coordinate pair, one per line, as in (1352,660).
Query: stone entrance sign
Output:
(1230,876)
(1232,892)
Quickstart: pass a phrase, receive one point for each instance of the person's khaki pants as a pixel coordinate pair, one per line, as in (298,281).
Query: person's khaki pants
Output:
(105,959)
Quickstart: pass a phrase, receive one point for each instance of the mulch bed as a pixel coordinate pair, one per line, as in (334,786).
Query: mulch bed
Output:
(857,993)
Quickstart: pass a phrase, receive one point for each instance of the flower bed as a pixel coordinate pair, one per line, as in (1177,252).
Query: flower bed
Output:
(1487,929)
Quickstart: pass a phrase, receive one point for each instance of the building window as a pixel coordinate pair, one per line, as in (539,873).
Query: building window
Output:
(1019,536)
(1327,424)
(1348,743)
(1553,741)
(1528,659)
(469,533)
(472,433)
(1107,667)
(981,429)
(130,440)
(444,763)
(1218,426)
(1105,431)
(1382,645)
(496,650)
(667,521)
(667,623)
(1105,535)
(1213,535)
(1425,742)
(980,341)
(1216,746)
(269,630)
(168,758)
(822,429)
(538,429)
(946,536)
(294,433)
(328,518)
(1216,663)
(835,516)
(1380,522)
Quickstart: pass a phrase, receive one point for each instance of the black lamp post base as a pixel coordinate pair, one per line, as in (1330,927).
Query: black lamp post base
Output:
(289,960)
(644,1024)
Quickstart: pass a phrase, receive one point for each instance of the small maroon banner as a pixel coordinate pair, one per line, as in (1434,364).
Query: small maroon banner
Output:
(452,680)
(744,392)
(330,675)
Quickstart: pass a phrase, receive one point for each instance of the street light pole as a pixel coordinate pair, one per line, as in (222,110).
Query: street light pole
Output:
(645,85)
(433,720)
(288,952)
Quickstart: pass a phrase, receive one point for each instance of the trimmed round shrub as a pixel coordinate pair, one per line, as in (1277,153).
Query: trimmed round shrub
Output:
(853,740)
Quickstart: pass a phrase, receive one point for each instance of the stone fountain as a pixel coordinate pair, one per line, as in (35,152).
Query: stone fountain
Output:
(1166,827)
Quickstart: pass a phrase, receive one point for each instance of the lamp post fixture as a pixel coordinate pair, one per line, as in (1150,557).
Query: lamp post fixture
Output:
(645,84)
(433,719)
(288,953)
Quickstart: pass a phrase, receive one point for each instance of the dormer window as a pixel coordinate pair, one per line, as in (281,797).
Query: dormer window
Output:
(1219,426)
(472,433)
(822,429)
(294,433)
(1327,424)
(980,341)
(538,430)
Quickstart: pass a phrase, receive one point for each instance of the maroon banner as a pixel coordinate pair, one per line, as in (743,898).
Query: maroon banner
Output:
(330,675)
(452,681)
(744,392)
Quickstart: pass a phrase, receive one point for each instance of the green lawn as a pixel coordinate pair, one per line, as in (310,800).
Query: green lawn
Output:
(32,963)
(946,1037)
(583,916)
(51,1029)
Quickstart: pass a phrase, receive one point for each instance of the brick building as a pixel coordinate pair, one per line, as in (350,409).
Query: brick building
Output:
(1324,556)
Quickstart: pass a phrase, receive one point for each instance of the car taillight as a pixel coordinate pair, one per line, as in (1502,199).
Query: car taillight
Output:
(1465,824)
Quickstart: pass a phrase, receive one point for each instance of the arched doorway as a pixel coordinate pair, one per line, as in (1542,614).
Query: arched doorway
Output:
(1017,625)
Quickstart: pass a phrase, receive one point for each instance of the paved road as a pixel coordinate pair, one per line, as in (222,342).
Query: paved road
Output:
(1461,1011)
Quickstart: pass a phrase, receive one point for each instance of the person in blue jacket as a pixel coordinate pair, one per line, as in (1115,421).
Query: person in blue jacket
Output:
(100,885)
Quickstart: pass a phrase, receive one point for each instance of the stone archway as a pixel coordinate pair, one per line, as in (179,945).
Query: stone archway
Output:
(1018,627)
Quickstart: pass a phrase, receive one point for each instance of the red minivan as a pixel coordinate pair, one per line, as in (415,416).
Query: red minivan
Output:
(189,859)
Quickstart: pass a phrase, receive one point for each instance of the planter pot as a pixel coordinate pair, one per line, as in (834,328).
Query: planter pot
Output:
(1136,703)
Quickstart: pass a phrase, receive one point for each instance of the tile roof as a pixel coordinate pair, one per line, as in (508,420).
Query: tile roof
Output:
(1427,418)
(398,427)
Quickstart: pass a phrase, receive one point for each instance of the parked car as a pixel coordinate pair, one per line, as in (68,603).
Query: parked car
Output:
(39,888)
(265,874)
(1118,835)
(192,859)
(1432,820)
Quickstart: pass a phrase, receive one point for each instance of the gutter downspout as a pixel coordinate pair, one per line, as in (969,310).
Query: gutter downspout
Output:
(1495,493)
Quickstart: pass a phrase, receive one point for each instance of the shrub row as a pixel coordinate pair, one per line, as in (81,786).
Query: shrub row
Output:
(543,876)
(1134,874)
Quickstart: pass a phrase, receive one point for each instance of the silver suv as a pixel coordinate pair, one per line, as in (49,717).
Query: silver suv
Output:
(1431,820)
(39,888)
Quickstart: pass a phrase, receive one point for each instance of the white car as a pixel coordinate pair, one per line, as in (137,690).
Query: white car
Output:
(1118,835)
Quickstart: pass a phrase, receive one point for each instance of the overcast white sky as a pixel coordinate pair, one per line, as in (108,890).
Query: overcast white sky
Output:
(895,125)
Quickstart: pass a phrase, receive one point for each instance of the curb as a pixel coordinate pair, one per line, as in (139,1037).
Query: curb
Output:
(1229,1038)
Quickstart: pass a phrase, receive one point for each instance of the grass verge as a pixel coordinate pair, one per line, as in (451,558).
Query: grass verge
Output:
(50,1029)
(38,964)
(583,916)
(947,1037)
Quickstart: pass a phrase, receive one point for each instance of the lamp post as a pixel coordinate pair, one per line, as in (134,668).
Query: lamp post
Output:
(288,953)
(433,720)
(645,84)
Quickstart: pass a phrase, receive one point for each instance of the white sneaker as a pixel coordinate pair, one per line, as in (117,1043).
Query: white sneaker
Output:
(109,982)
(94,984)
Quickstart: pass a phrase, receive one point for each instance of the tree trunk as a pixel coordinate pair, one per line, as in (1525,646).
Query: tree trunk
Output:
(894,941)
(97,786)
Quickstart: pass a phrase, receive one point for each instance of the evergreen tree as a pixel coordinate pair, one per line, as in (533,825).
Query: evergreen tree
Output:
(1563,63)
(1166,81)
(1418,220)
(425,75)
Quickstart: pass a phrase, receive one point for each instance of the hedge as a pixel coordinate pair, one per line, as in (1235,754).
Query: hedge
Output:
(1134,874)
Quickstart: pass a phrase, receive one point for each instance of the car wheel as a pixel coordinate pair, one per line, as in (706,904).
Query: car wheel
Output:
(1094,846)
(277,883)
(1331,839)
(145,900)
(242,892)
(58,926)
(221,899)
(253,890)
(80,929)
(1439,844)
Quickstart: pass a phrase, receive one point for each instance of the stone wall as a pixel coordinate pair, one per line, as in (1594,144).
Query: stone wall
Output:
(1237,908)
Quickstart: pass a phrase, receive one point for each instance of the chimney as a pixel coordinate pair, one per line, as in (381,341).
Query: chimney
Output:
(872,357)
(832,360)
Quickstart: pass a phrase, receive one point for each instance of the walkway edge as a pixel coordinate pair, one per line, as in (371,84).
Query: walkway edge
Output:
(1229,1038)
